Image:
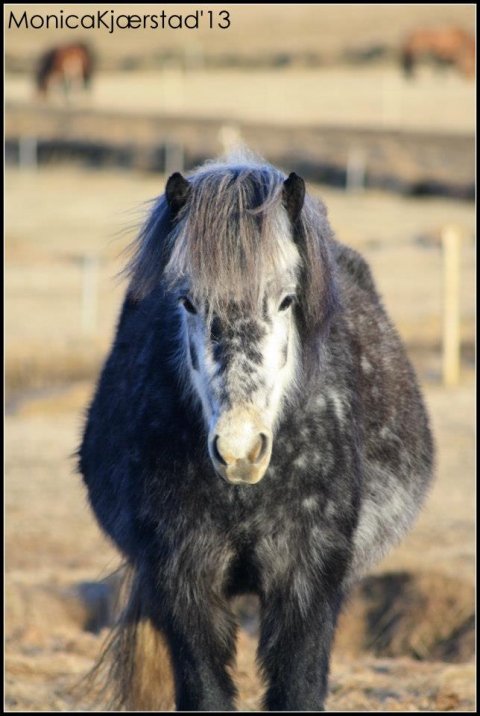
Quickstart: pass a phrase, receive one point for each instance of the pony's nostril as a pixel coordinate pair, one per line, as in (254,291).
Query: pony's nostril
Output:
(260,449)
(216,452)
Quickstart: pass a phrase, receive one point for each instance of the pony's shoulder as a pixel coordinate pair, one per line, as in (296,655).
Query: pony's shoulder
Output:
(352,266)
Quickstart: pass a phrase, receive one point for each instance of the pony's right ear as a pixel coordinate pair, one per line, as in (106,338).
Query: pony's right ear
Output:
(293,195)
(177,192)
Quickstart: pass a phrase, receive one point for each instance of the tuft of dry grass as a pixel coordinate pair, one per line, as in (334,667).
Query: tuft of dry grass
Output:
(425,616)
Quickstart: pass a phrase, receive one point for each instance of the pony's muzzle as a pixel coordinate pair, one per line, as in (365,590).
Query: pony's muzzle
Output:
(239,450)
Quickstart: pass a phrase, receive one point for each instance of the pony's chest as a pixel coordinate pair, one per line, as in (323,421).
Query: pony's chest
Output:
(286,542)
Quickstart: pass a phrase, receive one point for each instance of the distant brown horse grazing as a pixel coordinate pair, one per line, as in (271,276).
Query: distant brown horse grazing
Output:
(450,45)
(65,67)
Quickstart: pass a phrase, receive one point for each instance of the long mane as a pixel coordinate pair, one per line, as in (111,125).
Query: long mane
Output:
(231,235)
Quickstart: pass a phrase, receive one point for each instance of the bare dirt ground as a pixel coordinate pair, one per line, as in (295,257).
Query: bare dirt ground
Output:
(406,640)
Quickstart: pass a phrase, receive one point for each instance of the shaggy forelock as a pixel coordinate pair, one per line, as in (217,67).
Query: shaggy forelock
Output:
(232,238)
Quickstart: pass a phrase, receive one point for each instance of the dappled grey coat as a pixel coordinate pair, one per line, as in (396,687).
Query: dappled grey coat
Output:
(351,449)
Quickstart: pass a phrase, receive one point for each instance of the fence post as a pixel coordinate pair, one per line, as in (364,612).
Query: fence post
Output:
(451,243)
(174,157)
(356,169)
(89,294)
(27,152)
(230,137)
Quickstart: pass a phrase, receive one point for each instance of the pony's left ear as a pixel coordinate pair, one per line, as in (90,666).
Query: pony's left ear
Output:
(293,195)
(177,192)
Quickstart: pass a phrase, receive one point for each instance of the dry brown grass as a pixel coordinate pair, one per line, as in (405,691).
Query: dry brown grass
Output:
(427,616)
(340,97)
(56,559)
(53,546)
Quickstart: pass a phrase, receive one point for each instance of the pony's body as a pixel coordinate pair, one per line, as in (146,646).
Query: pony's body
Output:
(65,68)
(350,462)
(446,45)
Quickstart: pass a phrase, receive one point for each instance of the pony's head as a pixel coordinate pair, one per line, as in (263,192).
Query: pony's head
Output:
(246,255)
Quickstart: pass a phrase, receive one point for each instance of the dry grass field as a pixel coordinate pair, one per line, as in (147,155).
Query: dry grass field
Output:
(74,213)
(258,28)
(416,655)
(375,95)
(361,97)
(255,31)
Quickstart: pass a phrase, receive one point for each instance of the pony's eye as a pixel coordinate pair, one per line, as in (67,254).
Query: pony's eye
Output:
(188,305)
(286,303)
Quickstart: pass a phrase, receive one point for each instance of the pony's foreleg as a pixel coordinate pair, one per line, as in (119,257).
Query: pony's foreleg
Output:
(294,648)
(201,638)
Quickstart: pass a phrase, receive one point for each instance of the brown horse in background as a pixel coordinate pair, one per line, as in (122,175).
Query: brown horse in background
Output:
(65,67)
(450,45)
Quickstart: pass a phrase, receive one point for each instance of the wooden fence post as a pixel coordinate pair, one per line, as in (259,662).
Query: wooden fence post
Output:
(174,157)
(230,137)
(451,244)
(27,152)
(356,170)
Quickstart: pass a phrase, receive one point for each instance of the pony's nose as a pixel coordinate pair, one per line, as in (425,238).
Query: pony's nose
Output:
(240,446)
(229,455)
